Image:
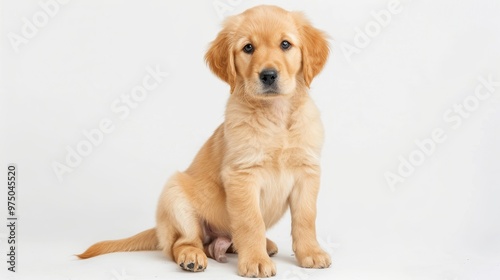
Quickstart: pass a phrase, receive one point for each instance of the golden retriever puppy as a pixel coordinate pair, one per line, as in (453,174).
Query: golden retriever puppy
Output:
(264,158)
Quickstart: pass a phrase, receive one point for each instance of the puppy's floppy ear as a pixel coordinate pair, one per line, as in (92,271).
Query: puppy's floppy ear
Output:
(220,57)
(314,48)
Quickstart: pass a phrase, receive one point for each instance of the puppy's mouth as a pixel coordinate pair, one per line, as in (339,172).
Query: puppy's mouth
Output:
(270,92)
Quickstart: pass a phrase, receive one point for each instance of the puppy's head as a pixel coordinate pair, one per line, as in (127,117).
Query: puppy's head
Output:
(267,51)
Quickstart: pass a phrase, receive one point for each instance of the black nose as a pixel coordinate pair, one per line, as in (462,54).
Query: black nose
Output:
(268,76)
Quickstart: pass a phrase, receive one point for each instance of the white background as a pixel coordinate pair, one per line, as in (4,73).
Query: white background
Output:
(442,222)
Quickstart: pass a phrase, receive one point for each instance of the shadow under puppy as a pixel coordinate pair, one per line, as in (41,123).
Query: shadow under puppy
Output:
(263,160)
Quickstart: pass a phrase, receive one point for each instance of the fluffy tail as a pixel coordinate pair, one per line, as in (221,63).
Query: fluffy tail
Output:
(143,241)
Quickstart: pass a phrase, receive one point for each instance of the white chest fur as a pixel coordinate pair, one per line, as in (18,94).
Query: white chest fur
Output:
(275,145)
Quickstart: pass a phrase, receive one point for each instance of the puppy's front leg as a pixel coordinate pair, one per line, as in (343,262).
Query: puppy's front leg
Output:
(247,225)
(303,210)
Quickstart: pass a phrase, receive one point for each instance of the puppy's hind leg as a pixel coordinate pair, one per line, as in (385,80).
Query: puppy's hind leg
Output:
(178,227)
(271,247)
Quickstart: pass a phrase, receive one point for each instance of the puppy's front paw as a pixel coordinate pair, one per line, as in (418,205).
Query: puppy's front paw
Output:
(256,267)
(192,259)
(313,258)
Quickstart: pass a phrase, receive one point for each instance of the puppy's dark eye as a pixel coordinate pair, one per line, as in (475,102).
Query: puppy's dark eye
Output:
(248,48)
(285,45)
